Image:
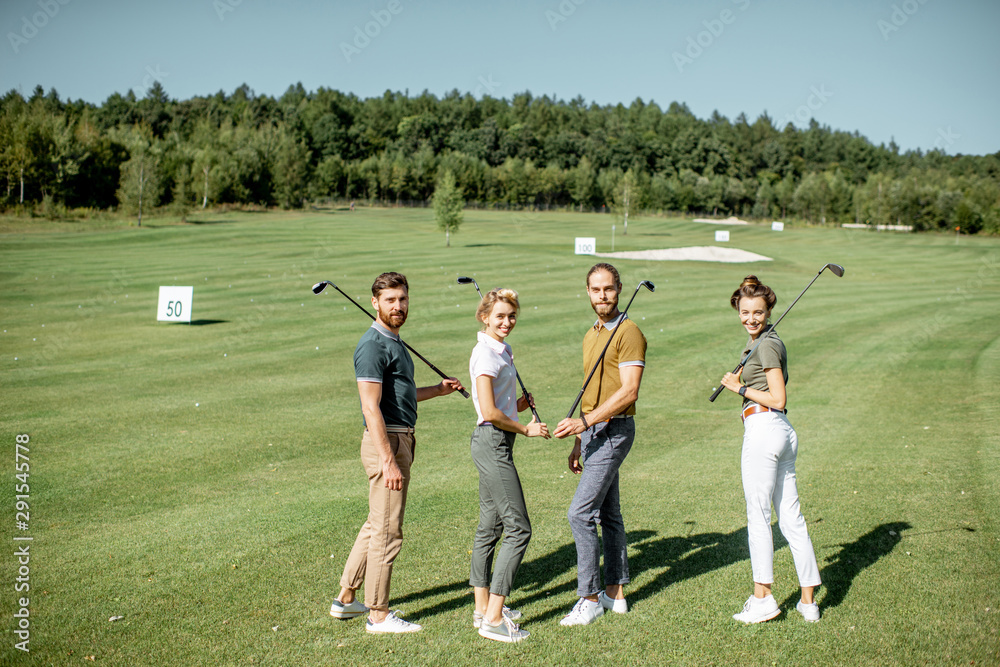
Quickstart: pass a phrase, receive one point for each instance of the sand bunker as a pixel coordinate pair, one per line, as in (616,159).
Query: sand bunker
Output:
(691,254)
(731,220)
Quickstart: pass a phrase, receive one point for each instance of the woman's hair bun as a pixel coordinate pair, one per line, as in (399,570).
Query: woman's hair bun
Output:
(752,288)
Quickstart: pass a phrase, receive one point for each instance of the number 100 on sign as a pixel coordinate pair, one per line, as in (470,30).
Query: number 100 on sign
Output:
(174,304)
(585,245)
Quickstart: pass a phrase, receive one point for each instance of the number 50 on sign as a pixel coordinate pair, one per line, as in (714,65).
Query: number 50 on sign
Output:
(175,304)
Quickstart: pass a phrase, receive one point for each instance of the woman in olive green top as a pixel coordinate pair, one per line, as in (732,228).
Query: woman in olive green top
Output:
(768,459)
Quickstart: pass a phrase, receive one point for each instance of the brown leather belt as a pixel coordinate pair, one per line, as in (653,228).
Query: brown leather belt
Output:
(753,409)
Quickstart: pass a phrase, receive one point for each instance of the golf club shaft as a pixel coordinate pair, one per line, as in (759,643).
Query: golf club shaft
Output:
(524,389)
(624,316)
(421,357)
(760,338)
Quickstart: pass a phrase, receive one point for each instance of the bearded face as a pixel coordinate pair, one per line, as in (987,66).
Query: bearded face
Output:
(392,306)
(603,291)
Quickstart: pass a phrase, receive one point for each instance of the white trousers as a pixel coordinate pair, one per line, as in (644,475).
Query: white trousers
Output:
(768,464)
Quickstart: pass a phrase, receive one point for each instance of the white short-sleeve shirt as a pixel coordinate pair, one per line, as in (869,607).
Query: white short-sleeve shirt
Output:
(493,358)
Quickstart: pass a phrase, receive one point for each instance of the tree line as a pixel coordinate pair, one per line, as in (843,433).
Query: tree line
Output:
(60,156)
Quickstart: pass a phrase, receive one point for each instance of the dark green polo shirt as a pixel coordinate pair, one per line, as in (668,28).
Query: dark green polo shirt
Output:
(381,357)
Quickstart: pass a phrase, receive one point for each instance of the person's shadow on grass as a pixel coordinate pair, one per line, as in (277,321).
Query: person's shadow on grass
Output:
(854,557)
(533,575)
(684,557)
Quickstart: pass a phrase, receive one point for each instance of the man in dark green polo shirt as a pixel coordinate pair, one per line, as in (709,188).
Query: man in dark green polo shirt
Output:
(389,397)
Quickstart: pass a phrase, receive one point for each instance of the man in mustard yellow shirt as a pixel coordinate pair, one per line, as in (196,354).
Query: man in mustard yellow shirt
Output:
(604,434)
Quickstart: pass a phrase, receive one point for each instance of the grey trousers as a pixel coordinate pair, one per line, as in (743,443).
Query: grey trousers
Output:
(603,448)
(501,512)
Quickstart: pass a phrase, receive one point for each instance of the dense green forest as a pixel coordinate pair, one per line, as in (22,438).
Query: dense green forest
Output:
(63,158)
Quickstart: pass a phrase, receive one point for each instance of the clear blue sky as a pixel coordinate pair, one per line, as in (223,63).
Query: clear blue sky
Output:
(924,72)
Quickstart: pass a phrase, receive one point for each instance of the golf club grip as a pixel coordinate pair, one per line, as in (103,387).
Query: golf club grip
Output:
(524,390)
(432,366)
(720,388)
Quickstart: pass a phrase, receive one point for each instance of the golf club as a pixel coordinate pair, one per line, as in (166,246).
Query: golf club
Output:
(465,280)
(835,269)
(322,285)
(644,283)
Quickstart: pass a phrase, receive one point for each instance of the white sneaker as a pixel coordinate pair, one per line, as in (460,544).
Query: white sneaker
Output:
(758,610)
(810,612)
(507,631)
(584,612)
(611,604)
(392,623)
(350,610)
(508,613)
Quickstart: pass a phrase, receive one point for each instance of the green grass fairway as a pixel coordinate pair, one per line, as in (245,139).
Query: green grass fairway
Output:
(203,482)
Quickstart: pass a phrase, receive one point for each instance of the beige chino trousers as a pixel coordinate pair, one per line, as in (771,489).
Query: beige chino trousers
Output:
(381,536)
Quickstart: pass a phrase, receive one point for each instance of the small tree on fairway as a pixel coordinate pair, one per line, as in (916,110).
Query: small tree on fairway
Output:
(627,196)
(448,205)
(140,184)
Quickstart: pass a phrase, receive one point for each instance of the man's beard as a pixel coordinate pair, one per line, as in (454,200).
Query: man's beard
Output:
(394,319)
(605,309)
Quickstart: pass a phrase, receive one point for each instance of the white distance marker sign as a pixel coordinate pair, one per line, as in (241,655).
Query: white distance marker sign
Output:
(722,236)
(174,304)
(777,226)
(586,245)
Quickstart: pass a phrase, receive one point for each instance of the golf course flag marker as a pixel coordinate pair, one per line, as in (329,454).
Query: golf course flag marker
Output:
(586,245)
(174,304)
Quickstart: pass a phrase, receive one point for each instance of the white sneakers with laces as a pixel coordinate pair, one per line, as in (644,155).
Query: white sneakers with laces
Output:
(349,610)
(392,623)
(810,612)
(508,631)
(584,612)
(758,610)
(613,604)
(512,614)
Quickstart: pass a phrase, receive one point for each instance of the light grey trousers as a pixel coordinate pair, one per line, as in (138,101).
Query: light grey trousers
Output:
(501,512)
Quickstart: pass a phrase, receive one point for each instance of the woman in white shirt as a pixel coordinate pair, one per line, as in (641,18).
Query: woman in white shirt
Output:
(501,501)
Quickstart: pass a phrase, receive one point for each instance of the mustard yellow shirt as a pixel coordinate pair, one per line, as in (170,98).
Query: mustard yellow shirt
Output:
(627,349)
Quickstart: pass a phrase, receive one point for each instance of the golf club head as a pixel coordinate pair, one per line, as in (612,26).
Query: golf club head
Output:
(835,269)
(320,286)
(648,285)
(465,280)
